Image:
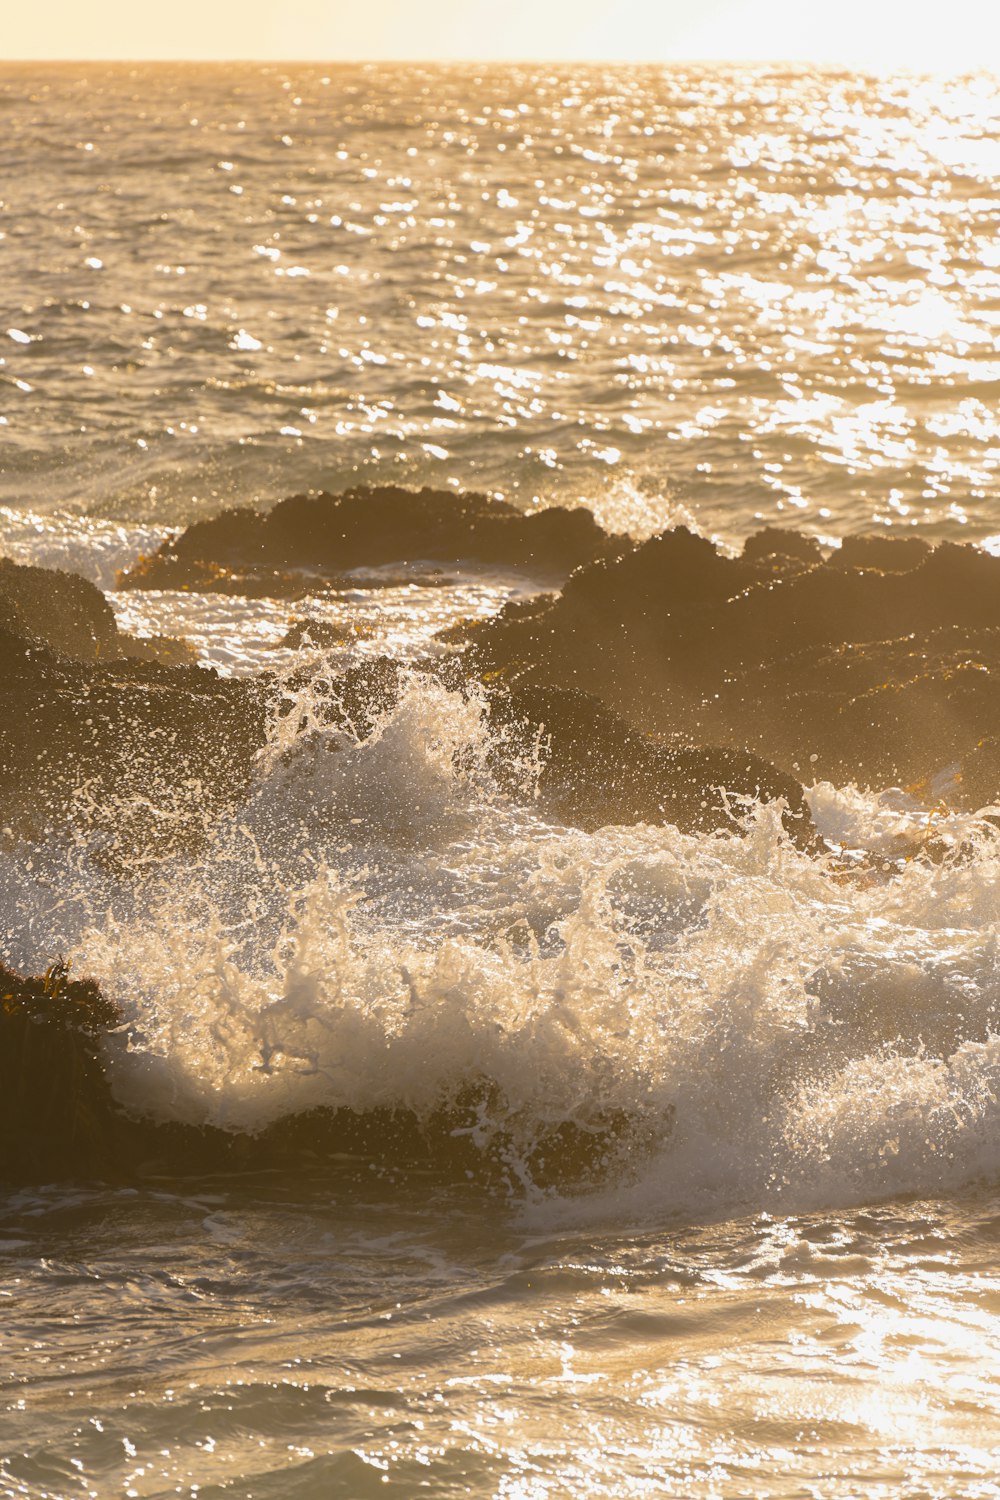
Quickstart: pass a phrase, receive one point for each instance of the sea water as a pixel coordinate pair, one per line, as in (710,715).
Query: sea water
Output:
(734,297)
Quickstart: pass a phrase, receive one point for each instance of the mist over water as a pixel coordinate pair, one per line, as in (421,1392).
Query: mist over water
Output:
(724,1106)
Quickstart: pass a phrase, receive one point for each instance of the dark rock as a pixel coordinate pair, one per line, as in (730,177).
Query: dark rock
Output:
(667,575)
(69,615)
(318,634)
(143,756)
(312,539)
(59,1119)
(887,554)
(59,610)
(165,649)
(776,542)
(879,673)
(594,770)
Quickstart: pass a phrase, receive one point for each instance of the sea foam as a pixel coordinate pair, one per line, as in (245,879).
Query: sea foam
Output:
(381,927)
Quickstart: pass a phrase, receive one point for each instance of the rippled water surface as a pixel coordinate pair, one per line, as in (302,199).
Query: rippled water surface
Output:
(412,1351)
(733,293)
(730,296)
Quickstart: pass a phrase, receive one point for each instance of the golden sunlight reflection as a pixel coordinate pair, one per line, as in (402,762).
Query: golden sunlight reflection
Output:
(814,316)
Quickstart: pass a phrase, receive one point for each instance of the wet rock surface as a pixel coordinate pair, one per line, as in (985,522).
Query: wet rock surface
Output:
(69,615)
(879,664)
(139,753)
(666,682)
(661,683)
(593,769)
(57,609)
(311,541)
(59,1118)
(586,765)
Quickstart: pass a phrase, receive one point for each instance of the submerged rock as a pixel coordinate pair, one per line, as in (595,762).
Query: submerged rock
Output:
(311,541)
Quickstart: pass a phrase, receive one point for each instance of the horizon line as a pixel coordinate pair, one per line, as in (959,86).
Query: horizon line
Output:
(827,65)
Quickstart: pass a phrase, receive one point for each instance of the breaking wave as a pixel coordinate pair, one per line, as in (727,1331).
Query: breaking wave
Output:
(730,1020)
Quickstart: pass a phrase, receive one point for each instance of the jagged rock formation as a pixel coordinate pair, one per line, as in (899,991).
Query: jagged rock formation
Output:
(311,541)
(725,676)
(879,664)
(145,756)
(317,635)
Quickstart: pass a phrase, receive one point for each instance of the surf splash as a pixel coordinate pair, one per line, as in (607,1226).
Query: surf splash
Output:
(728,1021)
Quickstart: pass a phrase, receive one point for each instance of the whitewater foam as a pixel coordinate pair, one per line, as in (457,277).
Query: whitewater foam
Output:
(381,927)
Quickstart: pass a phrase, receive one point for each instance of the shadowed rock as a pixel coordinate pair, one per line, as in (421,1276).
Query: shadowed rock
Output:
(140,755)
(587,766)
(117,733)
(59,1119)
(58,609)
(595,770)
(310,541)
(69,615)
(776,545)
(886,554)
(880,664)
(318,635)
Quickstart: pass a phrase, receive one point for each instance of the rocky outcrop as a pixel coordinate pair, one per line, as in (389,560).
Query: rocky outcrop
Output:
(311,541)
(59,610)
(141,752)
(879,664)
(59,1119)
(70,616)
(143,756)
(318,635)
(594,770)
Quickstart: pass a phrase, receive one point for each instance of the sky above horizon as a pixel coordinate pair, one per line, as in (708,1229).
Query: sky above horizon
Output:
(906,34)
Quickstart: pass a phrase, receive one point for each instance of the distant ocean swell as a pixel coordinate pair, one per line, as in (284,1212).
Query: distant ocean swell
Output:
(742,294)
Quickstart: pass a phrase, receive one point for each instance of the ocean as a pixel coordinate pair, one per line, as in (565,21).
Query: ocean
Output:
(517,1131)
